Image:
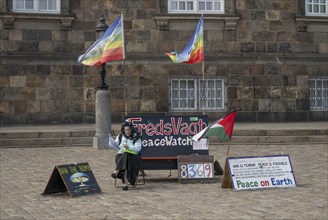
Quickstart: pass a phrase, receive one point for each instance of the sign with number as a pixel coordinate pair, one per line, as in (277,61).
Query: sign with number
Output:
(77,179)
(195,168)
(261,172)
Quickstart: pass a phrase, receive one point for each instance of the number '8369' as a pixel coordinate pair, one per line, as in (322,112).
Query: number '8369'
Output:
(198,170)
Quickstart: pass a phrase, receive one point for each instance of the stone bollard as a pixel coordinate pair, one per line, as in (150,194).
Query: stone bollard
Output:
(103,119)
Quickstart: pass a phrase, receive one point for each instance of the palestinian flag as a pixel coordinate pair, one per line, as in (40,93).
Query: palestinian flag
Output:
(221,128)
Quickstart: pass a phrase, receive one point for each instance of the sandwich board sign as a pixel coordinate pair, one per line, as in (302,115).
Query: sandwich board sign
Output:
(262,172)
(77,179)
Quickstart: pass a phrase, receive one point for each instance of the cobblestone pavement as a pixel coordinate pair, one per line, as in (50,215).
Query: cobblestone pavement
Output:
(25,173)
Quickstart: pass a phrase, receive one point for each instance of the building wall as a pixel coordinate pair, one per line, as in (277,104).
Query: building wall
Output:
(266,49)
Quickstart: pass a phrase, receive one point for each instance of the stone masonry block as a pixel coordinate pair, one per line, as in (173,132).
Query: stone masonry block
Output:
(89,93)
(264,36)
(20,106)
(15,35)
(162,106)
(4,81)
(42,70)
(17,81)
(276,25)
(28,93)
(248,92)
(59,81)
(276,92)
(272,15)
(323,48)
(76,106)
(261,92)
(42,93)
(61,106)
(76,81)
(292,92)
(118,105)
(302,80)
(278,105)
(47,106)
(250,105)
(264,105)
(33,107)
(46,46)
(302,104)
(272,69)
(6,107)
(290,104)
(75,94)
(150,93)
(61,70)
(133,92)
(37,81)
(247,47)
(257,15)
(147,106)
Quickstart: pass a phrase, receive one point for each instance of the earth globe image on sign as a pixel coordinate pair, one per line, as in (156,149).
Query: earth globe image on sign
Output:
(79,178)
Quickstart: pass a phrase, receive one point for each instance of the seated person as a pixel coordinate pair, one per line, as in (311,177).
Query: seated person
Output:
(127,159)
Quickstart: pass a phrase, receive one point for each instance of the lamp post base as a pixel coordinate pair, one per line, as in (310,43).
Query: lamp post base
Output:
(103,120)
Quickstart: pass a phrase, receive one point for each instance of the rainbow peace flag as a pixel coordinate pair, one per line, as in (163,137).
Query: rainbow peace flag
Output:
(194,51)
(108,47)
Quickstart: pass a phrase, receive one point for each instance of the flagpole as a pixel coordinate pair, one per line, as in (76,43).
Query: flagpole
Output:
(203,78)
(228,148)
(203,73)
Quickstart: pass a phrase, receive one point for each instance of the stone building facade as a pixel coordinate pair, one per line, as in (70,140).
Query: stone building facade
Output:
(264,56)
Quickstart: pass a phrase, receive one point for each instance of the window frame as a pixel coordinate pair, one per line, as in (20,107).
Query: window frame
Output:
(198,93)
(308,4)
(315,97)
(36,7)
(196,9)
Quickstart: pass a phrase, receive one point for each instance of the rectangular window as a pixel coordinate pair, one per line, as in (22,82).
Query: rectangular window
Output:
(197,94)
(316,7)
(37,6)
(196,6)
(319,93)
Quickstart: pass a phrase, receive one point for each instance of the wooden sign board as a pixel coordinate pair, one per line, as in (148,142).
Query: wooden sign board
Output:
(250,173)
(77,179)
(196,169)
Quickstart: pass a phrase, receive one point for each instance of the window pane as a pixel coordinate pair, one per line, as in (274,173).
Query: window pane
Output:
(19,4)
(191,104)
(175,104)
(322,9)
(52,5)
(201,6)
(29,4)
(183,94)
(209,6)
(174,5)
(43,4)
(190,6)
(217,6)
(316,8)
(183,104)
(182,5)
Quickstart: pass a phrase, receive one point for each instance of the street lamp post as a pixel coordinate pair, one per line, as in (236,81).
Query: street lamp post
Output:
(103,101)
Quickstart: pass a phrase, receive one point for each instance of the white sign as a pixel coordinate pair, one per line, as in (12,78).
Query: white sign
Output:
(202,144)
(261,172)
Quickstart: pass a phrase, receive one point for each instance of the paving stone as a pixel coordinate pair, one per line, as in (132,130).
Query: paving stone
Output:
(25,172)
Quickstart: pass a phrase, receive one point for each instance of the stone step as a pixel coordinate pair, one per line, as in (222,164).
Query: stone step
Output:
(46,142)
(82,135)
(47,134)
(273,139)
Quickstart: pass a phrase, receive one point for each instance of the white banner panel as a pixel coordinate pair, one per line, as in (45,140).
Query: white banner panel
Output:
(261,172)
